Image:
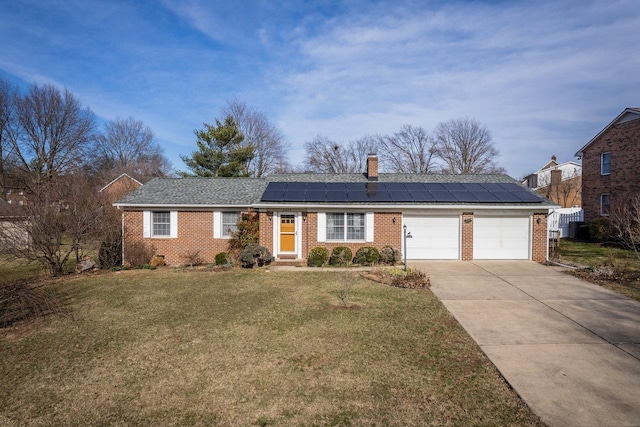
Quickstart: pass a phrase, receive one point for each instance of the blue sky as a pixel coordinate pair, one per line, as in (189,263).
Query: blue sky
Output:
(544,76)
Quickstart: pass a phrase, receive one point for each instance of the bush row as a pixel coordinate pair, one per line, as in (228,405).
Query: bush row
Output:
(342,256)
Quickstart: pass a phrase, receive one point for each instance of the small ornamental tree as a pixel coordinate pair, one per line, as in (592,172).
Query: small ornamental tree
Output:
(247,233)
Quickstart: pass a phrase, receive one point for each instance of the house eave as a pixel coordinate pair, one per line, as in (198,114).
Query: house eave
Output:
(633,111)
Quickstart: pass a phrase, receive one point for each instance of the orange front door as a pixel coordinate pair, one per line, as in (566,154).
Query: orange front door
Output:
(287,233)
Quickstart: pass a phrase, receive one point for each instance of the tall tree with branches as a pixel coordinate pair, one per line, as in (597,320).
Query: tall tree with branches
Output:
(127,145)
(410,150)
(465,146)
(220,151)
(8,95)
(323,155)
(54,132)
(270,148)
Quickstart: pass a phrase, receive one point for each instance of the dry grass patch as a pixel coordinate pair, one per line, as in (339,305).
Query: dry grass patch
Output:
(249,348)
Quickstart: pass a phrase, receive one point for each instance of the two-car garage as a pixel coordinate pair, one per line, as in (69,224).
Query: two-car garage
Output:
(494,236)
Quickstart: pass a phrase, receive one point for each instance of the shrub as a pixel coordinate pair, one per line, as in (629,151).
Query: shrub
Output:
(412,279)
(254,255)
(341,255)
(223,258)
(193,258)
(318,257)
(388,255)
(367,255)
(600,230)
(247,234)
(138,253)
(110,253)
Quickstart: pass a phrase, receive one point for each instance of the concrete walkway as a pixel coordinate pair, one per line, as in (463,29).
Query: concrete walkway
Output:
(569,348)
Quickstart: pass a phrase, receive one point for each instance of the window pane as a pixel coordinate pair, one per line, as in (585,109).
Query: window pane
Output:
(604,204)
(355,226)
(230,222)
(606,163)
(161,224)
(335,226)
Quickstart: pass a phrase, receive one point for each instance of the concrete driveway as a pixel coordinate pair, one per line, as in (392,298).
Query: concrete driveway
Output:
(569,348)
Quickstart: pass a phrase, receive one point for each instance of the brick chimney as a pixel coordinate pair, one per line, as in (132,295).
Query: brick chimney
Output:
(553,158)
(556,176)
(372,167)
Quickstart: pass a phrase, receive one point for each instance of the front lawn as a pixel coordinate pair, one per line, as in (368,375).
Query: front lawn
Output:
(248,348)
(613,268)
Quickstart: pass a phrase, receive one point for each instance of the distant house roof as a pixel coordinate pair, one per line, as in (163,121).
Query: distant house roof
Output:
(627,115)
(121,176)
(247,192)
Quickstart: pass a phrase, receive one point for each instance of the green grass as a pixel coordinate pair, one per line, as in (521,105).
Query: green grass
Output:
(623,263)
(594,254)
(248,348)
(12,270)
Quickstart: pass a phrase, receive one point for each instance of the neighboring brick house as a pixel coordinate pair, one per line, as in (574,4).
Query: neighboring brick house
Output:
(449,216)
(559,182)
(120,187)
(611,165)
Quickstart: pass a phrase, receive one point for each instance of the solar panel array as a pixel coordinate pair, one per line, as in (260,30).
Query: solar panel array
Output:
(397,192)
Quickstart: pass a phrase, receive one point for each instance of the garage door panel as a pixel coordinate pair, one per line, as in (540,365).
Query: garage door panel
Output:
(501,238)
(433,237)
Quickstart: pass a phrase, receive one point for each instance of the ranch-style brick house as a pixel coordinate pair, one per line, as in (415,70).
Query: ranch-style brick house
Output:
(463,217)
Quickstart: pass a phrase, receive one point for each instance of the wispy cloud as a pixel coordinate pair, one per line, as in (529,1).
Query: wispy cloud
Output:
(544,76)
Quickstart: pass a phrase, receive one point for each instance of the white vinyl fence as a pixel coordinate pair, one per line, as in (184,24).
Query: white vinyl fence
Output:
(559,219)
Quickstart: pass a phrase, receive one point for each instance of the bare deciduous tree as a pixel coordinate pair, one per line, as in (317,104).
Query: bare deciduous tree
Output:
(8,94)
(127,145)
(411,150)
(625,221)
(326,156)
(267,140)
(466,147)
(62,217)
(54,133)
(564,190)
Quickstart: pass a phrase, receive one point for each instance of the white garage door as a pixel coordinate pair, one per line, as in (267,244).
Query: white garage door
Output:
(501,238)
(433,237)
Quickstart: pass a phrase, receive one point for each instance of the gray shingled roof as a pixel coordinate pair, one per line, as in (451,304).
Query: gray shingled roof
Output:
(248,191)
(197,191)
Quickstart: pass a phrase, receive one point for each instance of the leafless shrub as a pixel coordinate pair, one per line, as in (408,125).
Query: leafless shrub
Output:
(22,301)
(343,293)
(625,222)
(138,253)
(193,257)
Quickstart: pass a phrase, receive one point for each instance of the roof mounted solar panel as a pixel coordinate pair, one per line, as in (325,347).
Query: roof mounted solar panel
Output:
(526,196)
(357,196)
(487,197)
(379,197)
(336,186)
(277,185)
(434,186)
(492,186)
(272,195)
(473,187)
(336,196)
(394,186)
(464,197)
(414,186)
(443,196)
(422,197)
(293,196)
(297,186)
(315,196)
(453,186)
(400,196)
(316,186)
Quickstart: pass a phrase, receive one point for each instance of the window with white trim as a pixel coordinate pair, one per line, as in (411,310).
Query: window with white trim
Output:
(345,226)
(605,164)
(605,204)
(229,223)
(161,223)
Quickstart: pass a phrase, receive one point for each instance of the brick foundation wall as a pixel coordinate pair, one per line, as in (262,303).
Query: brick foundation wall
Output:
(623,142)
(467,236)
(539,238)
(195,233)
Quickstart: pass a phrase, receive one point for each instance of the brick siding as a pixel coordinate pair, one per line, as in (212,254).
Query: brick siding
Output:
(539,238)
(623,142)
(467,236)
